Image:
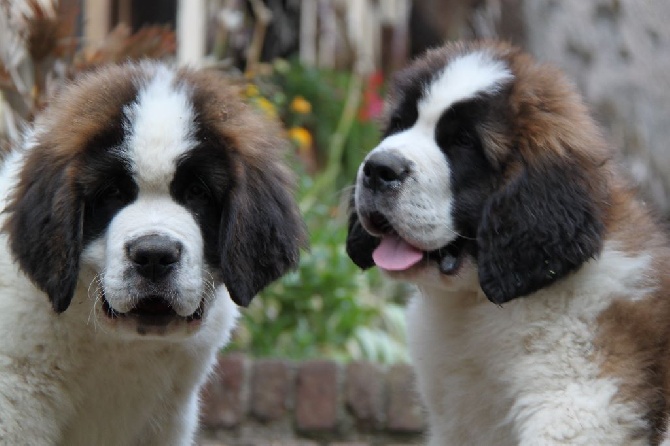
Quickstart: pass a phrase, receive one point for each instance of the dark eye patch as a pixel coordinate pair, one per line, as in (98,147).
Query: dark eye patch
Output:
(202,177)
(456,128)
(403,118)
(107,186)
(406,112)
(104,176)
(202,184)
(197,194)
(473,177)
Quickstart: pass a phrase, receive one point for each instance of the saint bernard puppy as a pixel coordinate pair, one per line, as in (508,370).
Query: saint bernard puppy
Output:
(143,206)
(543,308)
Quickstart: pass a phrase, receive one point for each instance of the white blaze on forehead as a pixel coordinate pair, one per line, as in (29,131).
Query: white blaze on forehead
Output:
(161,129)
(463,78)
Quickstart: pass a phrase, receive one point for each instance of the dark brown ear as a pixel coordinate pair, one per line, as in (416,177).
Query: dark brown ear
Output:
(360,243)
(44,226)
(539,228)
(261,234)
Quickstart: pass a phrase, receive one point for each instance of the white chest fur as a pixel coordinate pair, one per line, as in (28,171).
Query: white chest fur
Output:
(527,372)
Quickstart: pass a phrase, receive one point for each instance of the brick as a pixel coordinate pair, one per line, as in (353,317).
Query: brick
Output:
(223,397)
(316,396)
(404,410)
(286,442)
(349,444)
(270,389)
(299,443)
(364,394)
(210,442)
(290,443)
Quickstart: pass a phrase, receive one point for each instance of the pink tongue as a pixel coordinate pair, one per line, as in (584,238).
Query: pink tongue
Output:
(394,254)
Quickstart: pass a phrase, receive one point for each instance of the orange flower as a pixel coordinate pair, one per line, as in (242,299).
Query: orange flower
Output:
(300,105)
(302,138)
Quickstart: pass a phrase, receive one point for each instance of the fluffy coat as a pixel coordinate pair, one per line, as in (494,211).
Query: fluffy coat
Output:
(541,314)
(145,204)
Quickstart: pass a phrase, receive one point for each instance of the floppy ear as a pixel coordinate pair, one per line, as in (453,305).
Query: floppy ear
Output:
(539,228)
(261,234)
(44,226)
(360,243)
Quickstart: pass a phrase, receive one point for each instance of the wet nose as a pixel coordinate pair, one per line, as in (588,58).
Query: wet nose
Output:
(385,171)
(154,256)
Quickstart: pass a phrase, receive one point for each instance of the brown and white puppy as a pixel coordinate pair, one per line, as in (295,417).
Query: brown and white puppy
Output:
(542,311)
(144,203)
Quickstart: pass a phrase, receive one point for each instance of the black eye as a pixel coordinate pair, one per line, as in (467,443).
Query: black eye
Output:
(112,193)
(395,125)
(197,193)
(464,139)
(395,122)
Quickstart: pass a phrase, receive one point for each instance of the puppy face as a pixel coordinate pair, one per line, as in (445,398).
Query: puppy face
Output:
(159,192)
(490,174)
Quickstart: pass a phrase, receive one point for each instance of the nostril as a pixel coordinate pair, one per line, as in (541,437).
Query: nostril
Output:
(385,170)
(168,259)
(140,259)
(367,169)
(389,174)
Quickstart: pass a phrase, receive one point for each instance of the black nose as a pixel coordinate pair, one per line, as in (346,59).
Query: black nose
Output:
(154,256)
(385,170)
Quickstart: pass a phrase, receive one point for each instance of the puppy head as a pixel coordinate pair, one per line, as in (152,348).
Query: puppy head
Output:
(489,163)
(163,185)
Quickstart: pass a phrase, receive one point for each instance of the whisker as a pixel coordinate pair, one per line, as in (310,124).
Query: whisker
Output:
(95,293)
(461,235)
(96,281)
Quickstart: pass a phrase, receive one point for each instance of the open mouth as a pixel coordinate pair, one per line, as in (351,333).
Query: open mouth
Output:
(153,311)
(396,254)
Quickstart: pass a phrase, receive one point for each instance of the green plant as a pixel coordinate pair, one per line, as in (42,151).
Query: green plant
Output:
(328,307)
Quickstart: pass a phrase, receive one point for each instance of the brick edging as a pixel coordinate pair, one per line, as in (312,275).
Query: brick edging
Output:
(319,400)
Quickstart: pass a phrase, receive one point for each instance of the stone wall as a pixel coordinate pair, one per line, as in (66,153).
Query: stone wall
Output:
(616,51)
(618,54)
(263,402)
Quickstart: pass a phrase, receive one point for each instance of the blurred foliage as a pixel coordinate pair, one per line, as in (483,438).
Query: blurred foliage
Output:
(327,91)
(328,307)
(316,99)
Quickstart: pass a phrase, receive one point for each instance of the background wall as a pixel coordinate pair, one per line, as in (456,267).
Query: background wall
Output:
(618,53)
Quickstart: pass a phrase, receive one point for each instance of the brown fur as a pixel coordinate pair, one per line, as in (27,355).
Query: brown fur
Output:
(633,337)
(632,342)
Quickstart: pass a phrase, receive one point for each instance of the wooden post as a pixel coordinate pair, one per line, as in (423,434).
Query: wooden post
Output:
(191,28)
(97,21)
(308,32)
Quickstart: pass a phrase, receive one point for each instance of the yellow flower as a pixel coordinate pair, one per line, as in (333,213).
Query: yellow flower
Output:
(251,91)
(300,105)
(267,106)
(302,137)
